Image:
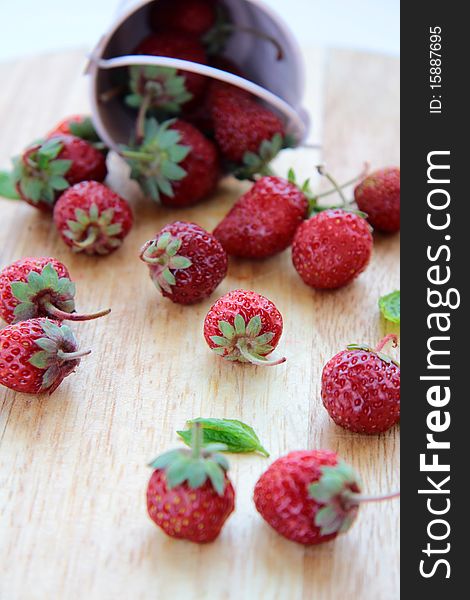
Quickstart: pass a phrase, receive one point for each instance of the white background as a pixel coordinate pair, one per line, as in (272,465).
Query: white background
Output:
(33,26)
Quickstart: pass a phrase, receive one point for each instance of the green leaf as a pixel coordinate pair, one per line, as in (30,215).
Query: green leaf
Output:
(254,327)
(179,262)
(390,307)
(217,476)
(7,186)
(236,435)
(21,291)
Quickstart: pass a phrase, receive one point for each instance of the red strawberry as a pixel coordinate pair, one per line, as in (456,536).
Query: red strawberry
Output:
(163,87)
(92,219)
(39,287)
(310,496)
(175,163)
(379,196)
(36,355)
(80,126)
(47,168)
(263,221)
(361,389)
(245,327)
(200,115)
(332,248)
(295,497)
(248,134)
(193,17)
(189,495)
(63,127)
(186,262)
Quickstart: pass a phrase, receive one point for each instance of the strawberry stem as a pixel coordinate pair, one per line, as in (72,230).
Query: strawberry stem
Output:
(364,498)
(241,345)
(72,355)
(336,186)
(53,311)
(89,240)
(140,122)
(391,337)
(356,179)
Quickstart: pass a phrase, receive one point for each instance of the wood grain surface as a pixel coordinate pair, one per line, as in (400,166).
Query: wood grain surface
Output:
(73,466)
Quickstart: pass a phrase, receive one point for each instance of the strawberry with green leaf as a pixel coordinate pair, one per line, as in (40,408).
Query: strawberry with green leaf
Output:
(244,326)
(186,263)
(92,219)
(80,126)
(174,163)
(49,167)
(37,354)
(311,496)
(39,287)
(189,495)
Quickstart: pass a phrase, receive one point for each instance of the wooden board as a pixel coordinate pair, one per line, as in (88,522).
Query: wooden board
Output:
(73,466)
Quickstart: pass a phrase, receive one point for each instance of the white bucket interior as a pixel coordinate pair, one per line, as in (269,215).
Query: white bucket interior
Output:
(278,83)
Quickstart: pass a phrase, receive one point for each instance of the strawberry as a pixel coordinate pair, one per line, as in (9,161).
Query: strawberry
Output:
(332,248)
(175,163)
(80,126)
(163,87)
(311,496)
(361,388)
(189,495)
(47,168)
(186,262)
(36,355)
(92,219)
(193,17)
(245,327)
(379,196)
(263,221)
(39,287)
(249,135)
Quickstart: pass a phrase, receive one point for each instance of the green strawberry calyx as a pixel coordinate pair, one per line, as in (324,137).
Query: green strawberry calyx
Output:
(259,163)
(39,174)
(155,162)
(85,130)
(243,342)
(378,349)
(338,492)
(195,466)
(162,257)
(47,294)
(154,87)
(58,354)
(93,232)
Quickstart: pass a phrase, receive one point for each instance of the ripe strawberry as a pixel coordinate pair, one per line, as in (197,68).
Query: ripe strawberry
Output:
(200,115)
(332,248)
(39,287)
(163,87)
(186,262)
(263,221)
(249,135)
(361,388)
(80,126)
(92,219)
(36,355)
(310,496)
(47,168)
(189,495)
(193,17)
(379,196)
(175,163)
(245,327)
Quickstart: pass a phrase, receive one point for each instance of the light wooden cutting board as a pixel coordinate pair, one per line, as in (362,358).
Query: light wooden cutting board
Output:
(73,466)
